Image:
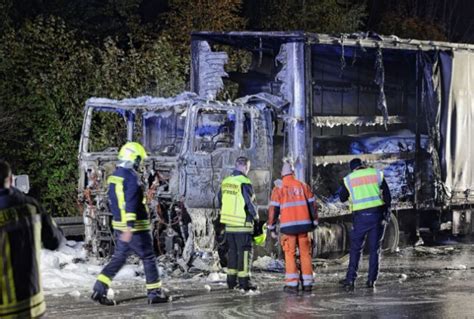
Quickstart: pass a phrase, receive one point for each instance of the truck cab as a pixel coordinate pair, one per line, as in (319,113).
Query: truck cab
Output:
(192,144)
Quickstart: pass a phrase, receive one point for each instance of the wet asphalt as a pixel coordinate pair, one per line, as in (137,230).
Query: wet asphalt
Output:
(435,282)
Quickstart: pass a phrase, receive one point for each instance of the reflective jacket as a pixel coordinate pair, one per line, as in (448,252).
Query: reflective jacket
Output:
(295,204)
(127,201)
(238,210)
(23,227)
(364,187)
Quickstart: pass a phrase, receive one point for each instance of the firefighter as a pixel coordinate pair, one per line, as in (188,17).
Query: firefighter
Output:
(369,201)
(24,226)
(238,213)
(131,226)
(294,204)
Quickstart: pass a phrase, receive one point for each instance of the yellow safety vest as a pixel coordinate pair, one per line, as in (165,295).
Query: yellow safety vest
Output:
(364,188)
(233,212)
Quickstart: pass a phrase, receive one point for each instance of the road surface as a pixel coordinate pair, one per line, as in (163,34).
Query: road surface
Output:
(415,283)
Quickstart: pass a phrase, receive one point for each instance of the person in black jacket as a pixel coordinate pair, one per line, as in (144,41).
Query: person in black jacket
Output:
(24,226)
(131,226)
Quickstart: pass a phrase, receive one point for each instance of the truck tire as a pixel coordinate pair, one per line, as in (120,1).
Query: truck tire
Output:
(392,235)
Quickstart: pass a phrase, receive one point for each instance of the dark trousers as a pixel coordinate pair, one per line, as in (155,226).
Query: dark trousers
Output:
(141,244)
(239,257)
(365,225)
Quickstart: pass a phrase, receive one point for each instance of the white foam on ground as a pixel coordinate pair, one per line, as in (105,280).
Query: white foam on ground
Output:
(62,273)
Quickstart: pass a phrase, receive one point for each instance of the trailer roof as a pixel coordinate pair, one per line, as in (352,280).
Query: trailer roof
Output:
(249,40)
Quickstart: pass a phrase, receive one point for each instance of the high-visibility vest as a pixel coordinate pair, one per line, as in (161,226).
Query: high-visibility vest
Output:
(233,202)
(293,198)
(364,188)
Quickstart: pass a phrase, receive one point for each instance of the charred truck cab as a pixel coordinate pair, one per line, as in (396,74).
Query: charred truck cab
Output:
(192,145)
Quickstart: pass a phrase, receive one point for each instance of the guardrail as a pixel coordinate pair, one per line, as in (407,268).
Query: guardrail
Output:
(71,226)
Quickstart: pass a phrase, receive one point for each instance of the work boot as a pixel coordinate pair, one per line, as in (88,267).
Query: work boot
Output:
(99,294)
(307,288)
(231,281)
(102,299)
(157,296)
(291,289)
(246,284)
(370,284)
(347,285)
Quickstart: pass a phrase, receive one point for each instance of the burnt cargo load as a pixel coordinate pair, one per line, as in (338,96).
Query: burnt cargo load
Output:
(401,105)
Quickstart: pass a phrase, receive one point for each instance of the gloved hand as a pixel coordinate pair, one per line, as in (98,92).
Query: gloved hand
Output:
(386,217)
(274,234)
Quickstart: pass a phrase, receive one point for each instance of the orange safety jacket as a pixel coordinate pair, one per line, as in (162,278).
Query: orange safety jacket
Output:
(294,203)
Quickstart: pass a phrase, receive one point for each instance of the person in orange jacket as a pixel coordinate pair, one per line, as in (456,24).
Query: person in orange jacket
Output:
(293,203)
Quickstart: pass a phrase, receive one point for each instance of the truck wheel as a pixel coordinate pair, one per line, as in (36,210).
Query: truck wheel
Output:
(392,235)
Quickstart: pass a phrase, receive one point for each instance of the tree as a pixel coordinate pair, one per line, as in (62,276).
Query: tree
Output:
(186,16)
(48,73)
(323,16)
(411,28)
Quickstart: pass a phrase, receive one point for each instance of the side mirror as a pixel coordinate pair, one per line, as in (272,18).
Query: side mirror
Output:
(22,182)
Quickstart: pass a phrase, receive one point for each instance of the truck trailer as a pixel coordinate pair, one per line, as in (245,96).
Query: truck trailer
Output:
(400,105)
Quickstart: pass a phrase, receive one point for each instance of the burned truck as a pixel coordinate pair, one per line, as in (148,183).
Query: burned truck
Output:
(192,143)
(403,106)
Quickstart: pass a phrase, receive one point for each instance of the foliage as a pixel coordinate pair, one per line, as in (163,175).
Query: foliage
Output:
(186,16)
(48,76)
(411,28)
(45,68)
(323,16)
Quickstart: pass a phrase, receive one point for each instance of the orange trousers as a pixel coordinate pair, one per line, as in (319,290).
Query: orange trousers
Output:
(289,244)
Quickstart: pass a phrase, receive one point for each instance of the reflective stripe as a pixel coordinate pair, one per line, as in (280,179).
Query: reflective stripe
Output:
(231,229)
(364,180)
(366,200)
(30,307)
(296,223)
(119,193)
(245,272)
(231,271)
(276,204)
(115,180)
(292,276)
(307,277)
(3,269)
(140,225)
(104,279)
(130,216)
(307,283)
(292,283)
(294,204)
(156,285)
(312,199)
(9,272)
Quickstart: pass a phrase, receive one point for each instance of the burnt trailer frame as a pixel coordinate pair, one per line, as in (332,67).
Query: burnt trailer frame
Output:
(292,78)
